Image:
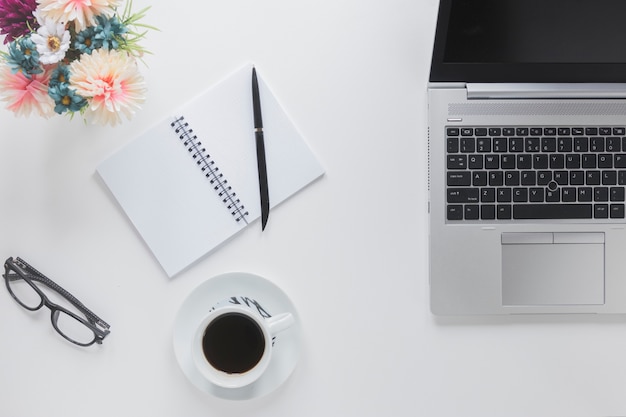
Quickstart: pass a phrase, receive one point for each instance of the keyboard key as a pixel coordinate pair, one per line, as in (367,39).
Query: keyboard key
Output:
(480,131)
(535,195)
(492,162)
(524,161)
(613,144)
(504,195)
(536,131)
(548,145)
(577,177)
(592,178)
(568,194)
(475,161)
(483,145)
(601,211)
(511,178)
(452,145)
(520,195)
(544,177)
(581,144)
(557,161)
(507,161)
(619,160)
(488,212)
(528,178)
(457,161)
(467,145)
(459,178)
(487,195)
(472,212)
(552,211)
(467,131)
(572,161)
(616,211)
(541,161)
(495,131)
(496,178)
(609,178)
(560,178)
(532,145)
(455,212)
(500,145)
(503,212)
(564,145)
(589,161)
(552,196)
(463,195)
(453,131)
(479,178)
(596,144)
(617,194)
(600,194)
(585,194)
(516,145)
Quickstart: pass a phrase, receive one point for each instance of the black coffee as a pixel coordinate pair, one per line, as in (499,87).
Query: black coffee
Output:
(233,343)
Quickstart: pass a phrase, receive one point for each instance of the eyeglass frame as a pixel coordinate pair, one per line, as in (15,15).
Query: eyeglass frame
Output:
(22,270)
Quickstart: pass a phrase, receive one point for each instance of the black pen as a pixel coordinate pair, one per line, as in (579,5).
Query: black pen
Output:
(260,150)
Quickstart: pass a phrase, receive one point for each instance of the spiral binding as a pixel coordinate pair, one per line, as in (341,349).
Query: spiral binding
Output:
(210,170)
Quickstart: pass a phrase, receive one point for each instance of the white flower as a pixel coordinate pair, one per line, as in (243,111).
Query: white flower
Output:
(111,83)
(52,42)
(82,12)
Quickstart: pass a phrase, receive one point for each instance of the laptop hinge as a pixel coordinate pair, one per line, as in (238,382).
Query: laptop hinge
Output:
(545,91)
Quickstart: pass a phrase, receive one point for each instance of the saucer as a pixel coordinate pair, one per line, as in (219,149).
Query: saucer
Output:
(198,304)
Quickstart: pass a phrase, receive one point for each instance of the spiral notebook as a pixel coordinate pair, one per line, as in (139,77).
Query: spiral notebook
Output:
(190,182)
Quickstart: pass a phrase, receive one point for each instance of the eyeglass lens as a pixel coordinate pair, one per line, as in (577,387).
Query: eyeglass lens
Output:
(24,293)
(69,325)
(72,328)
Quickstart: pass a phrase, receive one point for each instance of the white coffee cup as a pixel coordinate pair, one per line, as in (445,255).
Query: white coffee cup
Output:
(233,344)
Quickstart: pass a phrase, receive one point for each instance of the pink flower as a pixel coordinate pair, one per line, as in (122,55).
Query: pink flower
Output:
(15,18)
(82,12)
(111,83)
(25,95)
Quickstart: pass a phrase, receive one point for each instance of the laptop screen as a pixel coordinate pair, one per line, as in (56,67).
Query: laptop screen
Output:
(530,41)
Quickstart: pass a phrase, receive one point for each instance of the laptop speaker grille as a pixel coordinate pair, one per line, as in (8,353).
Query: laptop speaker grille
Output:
(537,109)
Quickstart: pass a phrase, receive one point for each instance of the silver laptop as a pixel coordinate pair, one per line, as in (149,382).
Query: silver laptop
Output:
(527,157)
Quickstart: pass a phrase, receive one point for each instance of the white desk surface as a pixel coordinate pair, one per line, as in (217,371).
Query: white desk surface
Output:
(350,251)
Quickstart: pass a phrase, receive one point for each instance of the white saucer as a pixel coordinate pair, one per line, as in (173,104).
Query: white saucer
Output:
(197,305)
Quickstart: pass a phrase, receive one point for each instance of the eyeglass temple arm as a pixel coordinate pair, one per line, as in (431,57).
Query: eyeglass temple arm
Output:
(35,275)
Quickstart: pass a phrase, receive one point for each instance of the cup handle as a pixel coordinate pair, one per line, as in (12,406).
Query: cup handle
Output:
(280,322)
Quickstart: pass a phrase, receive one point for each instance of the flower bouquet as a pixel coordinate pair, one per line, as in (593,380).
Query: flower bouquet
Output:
(69,56)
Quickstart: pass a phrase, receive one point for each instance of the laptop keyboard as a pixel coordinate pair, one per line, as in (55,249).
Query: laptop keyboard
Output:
(530,173)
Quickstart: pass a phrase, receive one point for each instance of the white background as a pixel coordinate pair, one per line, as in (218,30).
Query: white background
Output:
(350,251)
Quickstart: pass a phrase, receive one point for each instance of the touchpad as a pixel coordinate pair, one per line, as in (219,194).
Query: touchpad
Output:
(552,268)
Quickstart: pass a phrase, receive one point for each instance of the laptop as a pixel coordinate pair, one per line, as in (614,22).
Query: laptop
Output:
(527,157)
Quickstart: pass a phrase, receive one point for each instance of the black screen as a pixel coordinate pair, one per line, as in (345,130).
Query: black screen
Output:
(537,31)
(530,41)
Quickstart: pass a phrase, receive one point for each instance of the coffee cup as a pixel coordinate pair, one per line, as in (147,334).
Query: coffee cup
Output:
(233,344)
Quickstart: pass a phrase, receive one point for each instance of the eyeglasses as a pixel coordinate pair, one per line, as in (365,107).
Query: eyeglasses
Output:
(81,327)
